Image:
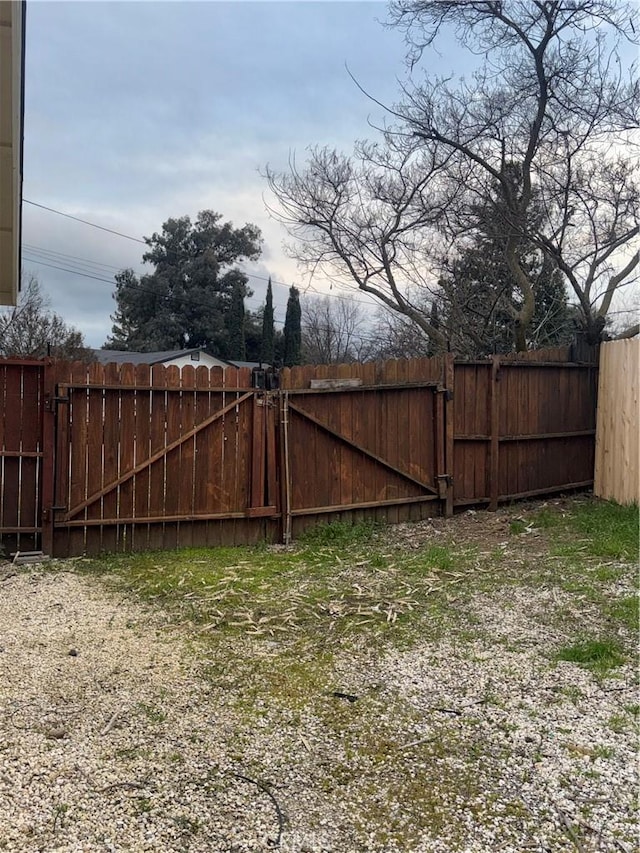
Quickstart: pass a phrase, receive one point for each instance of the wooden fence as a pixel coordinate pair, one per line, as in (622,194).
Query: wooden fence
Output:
(617,470)
(117,457)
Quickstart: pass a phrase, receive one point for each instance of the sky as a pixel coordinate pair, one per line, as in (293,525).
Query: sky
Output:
(137,112)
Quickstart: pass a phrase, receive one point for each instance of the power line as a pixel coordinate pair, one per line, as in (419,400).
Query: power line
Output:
(144,243)
(84,221)
(185,300)
(65,269)
(65,257)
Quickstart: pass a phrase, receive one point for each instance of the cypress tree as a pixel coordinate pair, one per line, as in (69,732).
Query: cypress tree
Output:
(236,349)
(267,355)
(292,329)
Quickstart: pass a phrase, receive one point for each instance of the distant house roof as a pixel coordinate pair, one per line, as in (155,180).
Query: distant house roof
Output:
(111,356)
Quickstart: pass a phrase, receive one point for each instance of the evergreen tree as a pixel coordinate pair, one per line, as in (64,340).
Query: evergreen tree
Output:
(293,330)
(236,349)
(184,301)
(267,351)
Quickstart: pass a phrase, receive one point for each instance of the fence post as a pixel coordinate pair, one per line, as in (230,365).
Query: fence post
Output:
(494,449)
(48,416)
(449,383)
(285,484)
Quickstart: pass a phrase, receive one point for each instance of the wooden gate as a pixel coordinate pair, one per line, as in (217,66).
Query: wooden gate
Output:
(160,458)
(354,448)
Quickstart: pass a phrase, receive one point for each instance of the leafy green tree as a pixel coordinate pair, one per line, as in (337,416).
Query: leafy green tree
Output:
(292,330)
(267,351)
(184,301)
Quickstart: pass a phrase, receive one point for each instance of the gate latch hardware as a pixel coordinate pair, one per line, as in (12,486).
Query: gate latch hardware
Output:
(444,481)
(50,402)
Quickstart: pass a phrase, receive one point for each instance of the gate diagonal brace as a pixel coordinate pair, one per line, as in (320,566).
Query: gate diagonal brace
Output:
(355,446)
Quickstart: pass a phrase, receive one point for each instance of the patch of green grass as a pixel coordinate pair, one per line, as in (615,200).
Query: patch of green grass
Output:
(626,611)
(546,519)
(155,715)
(610,529)
(141,805)
(598,655)
(340,533)
(605,529)
(618,723)
(438,557)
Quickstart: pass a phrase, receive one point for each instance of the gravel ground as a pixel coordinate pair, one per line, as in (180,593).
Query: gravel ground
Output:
(113,739)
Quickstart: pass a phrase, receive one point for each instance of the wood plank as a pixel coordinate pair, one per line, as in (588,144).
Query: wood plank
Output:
(79,449)
(285,479)
(258,452)
(31,467)
(393,502)
(200,532)
(348,463)
(174,439)
(142,450)
(273,497)
(217,500)
(186,499)
(450,385)
(128,402)
(48,421)
(95,444)
(362,450)
(244,528)
(335,384)
(111,453)
(62,375)
(13,441)
(617,455)
(494,463)
(157,460)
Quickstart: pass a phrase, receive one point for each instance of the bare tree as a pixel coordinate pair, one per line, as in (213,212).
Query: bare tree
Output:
(370,218)
(552,99)
(395,336)
(32,330)
(551,103)
(333,330)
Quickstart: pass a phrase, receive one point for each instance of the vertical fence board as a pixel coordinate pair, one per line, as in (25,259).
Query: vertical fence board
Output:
(111,453)
(171,537)
(617,471)
(158,440)
(142,451)
(95,446)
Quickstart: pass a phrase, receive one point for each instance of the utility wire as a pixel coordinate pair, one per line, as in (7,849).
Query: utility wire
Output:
(144,243)
(84,221)
(186,301)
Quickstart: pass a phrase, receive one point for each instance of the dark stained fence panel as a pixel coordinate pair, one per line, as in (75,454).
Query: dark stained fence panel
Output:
(149,458)
(21,454)
(135,458)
